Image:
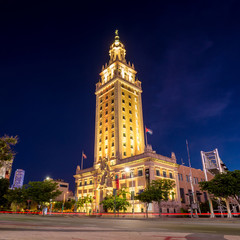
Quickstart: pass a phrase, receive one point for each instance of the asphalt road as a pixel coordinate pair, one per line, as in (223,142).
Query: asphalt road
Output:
(78,228)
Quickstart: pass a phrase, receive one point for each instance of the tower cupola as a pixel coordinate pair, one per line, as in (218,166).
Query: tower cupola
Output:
(117,50)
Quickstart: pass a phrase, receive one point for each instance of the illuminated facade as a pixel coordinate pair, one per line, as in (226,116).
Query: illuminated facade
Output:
(120,156)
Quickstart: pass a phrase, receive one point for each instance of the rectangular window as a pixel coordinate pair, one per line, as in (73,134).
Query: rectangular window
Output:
(187,178)
(85,182)
(198,196)
(157,172)
(182,195)
(140,172)
(170,175)
(164,174)
(90,181)
(205,196)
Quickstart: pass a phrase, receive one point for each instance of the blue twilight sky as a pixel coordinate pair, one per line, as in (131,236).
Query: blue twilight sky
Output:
(186,54)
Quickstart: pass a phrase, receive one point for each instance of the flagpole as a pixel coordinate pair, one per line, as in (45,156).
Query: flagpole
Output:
(82,162)
(146,136)
(191,179)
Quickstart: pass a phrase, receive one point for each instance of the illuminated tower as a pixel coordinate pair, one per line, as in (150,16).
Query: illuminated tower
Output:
(119,131)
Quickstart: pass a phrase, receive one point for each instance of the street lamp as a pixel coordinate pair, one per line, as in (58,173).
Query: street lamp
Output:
(63,200)
(127,169)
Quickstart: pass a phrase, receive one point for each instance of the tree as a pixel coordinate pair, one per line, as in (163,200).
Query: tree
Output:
(161,190)
(236,190)
(17,198)
(4,185)
(223,185)
(42,192)
(6,151)
(82,202)
(146,197)
(118,202)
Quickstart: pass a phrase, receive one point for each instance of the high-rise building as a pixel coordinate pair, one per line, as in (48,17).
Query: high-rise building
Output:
(121,158)
(18,178)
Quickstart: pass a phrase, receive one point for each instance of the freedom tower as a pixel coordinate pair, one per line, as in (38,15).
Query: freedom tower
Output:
(121,157)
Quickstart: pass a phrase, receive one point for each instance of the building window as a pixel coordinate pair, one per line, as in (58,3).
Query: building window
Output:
(124,117)
(112,109)
(164,174)
(124,126)
(106,129)
(157,172)
(124,144)
(106,120)
(205,196)
(106,112)
(131,146)
(140,172)
(112,125)
(123,109)
(100,131)
(112,117)
(124,134)
(100,100)
(170,175)
(106,97)
(100,149)
(112,154)
(198,196)
(125,154)
(112,144)
(106,138)
(123,175)
(100,115)
(85,182)
(130,111)
(182,195)
(101,108)
(90,181)
(100,140)
(123,101)
(112,101)
(131,137)
(123,93)
(187,178)
(112,93)
(131,128)
(106,147)
(130,120)
(112,134)
(106,105)
(129,96)
(100,124)
(80,184)
(130,104)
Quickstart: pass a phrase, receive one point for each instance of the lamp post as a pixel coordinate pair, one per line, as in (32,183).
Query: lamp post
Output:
(63,201)
(127,169)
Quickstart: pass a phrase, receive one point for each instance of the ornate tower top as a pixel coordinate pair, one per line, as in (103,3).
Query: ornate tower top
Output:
(117,50)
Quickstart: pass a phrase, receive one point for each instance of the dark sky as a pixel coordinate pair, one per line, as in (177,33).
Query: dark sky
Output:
(186,54)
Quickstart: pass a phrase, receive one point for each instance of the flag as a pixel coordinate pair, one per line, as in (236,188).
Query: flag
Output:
(84,155)
(148,131)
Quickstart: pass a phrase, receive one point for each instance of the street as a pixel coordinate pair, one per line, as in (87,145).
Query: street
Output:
(80,228)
